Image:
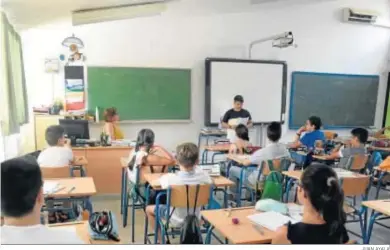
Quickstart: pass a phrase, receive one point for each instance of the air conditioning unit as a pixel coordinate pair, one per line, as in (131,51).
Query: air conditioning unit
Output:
(359,16)
(112,13)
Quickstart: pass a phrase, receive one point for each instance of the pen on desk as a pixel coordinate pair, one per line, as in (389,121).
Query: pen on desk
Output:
(70,190)
(259,229)
(58,190)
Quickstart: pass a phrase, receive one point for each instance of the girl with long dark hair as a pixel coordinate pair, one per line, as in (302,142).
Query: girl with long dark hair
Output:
(323,216)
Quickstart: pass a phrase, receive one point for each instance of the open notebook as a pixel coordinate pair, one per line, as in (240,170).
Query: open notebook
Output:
(270,220)
(211,170)
(50,187)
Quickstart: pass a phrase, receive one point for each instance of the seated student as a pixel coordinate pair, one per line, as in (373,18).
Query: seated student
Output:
(187,155)
(274,150)
(323,219)
(59,152)
(242,140)
(149,157)
(312,133)
(21,202)
(238,147)
(380,133)
(356,147)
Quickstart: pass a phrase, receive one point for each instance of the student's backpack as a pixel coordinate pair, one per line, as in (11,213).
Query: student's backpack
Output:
(190,231)
(273,186)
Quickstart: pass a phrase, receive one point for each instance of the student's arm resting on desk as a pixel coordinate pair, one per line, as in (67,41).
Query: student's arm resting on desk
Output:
(334,155)
(280,237)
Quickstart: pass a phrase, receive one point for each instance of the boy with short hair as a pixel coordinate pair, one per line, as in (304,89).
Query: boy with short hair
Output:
(274,150)
(187,155)
(312,133)
(356,147)
(59,153)
(21,202)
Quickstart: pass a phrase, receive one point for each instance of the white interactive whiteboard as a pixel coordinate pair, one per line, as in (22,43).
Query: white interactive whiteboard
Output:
(261,83)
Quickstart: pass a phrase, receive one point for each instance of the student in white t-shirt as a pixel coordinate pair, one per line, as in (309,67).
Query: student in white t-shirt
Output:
(21,202)
(59,152)
(187,155)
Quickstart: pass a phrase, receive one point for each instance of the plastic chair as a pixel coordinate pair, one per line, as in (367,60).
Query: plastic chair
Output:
(354,187)
(138,201)
(357,163)
(177,198)
(276,165)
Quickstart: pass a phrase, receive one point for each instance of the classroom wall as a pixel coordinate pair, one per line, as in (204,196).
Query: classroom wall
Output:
(192,30)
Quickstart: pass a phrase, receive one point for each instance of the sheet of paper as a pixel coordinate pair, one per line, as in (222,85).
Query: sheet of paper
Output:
(50,187)
(271,220)
(342,173)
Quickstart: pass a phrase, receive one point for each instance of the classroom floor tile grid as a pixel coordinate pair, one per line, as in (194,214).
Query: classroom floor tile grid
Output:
(380,235)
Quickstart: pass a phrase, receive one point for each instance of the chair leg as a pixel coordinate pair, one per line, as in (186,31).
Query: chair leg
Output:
(122,191)
(133,219)
(370,227)
(146,226)
(125,210)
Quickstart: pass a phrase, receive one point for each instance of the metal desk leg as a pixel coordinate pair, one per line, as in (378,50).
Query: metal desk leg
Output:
(225,197)
(370,227)
(240,181)
(378,184)
(123,190)
(146,225)
(208,235)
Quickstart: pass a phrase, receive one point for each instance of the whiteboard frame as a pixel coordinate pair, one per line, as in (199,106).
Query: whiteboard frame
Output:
(209,61)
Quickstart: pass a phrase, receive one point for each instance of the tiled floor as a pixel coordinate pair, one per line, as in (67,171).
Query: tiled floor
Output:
(380,235)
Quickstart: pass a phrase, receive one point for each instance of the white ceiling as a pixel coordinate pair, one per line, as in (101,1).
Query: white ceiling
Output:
(29,13)
(25,14)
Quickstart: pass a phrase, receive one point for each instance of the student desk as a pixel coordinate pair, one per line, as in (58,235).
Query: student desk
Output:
(72,189)
(382,174)
(153,180)
(217,149)
(295,175)
(243,233)
(379,207)
(103,166)
(81,228)
(210,133)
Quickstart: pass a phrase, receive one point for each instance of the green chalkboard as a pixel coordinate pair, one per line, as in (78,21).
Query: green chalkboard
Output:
(141,93)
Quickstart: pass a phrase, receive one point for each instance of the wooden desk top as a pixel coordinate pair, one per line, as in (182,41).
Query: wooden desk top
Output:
(102,148)
(84,186)
(380,149)
(296,174)
(217,147)
(320,157)
(213,132)
(244,232)
(82,232)
(382,206)
(153,180)
(238,158)
(382,170)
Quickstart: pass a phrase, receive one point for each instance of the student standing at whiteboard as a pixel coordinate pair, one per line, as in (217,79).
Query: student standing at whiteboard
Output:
(235,116)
